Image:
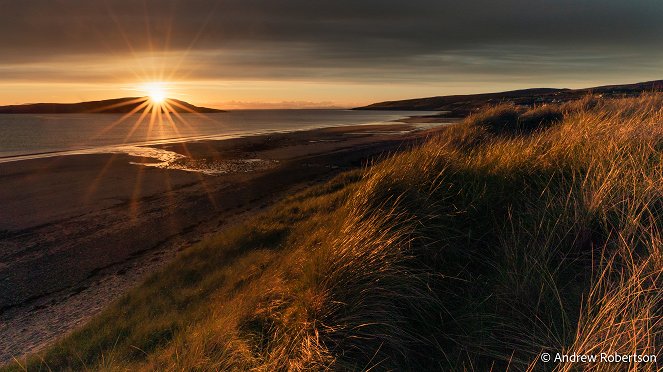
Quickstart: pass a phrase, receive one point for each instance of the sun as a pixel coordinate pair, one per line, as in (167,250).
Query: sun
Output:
(157,95)
(156,92)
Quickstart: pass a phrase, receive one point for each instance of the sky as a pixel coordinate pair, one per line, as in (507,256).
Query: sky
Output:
(311,54)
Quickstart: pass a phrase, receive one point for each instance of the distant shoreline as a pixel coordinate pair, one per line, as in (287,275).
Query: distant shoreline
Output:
(116,106)
(463,104)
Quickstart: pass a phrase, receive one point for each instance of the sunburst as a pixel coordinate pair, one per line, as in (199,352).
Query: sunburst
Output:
(156,92)
(156,106)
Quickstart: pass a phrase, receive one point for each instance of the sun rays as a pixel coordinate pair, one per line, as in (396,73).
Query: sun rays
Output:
(150,114)
(155,80)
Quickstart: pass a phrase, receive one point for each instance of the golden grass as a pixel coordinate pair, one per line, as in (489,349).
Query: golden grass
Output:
(495,241)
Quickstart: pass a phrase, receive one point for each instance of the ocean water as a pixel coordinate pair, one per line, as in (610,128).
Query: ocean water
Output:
(25,136)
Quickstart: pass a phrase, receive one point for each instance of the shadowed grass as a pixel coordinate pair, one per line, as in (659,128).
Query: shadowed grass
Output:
(515,233)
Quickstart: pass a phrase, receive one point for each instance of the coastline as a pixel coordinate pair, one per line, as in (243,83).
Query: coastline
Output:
(86,228)
(79,149)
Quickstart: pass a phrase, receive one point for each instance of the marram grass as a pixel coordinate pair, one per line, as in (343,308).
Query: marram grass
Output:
(515,233)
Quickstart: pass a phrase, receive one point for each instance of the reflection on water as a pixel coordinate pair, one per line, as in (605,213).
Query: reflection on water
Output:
(171,160)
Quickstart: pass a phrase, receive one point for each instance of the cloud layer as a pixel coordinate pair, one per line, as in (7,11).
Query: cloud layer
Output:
(370,41)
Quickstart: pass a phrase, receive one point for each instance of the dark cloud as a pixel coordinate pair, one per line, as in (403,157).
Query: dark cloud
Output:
(367,39)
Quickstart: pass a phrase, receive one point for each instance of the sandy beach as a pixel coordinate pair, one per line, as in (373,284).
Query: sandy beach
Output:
(78,231)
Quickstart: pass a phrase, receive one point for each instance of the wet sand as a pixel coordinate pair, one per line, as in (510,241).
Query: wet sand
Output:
(78,231)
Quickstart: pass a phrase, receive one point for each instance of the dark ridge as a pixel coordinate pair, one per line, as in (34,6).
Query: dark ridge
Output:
(462,105)
(107,106)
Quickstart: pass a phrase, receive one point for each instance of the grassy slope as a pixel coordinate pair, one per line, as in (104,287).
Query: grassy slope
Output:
(484,247)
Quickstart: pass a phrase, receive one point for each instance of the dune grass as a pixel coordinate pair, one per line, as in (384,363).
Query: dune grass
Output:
(514,233)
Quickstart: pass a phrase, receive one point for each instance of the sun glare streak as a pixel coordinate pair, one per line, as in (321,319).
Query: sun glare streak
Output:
(118,105)
(136,109)
(142,117)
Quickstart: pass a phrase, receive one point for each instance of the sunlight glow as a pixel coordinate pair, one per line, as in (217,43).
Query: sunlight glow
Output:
(157,94)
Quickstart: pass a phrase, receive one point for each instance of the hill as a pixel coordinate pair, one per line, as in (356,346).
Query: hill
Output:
(483,249)
(108,106)
(462,105)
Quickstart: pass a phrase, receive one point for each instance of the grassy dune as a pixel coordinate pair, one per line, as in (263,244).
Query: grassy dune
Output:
(515,233)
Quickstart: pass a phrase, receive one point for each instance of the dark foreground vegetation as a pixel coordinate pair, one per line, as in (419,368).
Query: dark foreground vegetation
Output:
(512,234)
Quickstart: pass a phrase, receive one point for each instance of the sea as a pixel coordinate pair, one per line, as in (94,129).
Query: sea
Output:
(27,136)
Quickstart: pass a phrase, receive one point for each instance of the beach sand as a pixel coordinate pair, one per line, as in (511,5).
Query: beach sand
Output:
(77,231)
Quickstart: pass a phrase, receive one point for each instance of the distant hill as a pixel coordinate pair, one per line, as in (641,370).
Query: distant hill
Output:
(461,105)
(113,106)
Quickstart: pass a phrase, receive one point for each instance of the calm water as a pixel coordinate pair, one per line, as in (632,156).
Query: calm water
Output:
(22,135)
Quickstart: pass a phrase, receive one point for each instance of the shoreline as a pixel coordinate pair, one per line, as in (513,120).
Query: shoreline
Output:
(78,231)
(410,125)
(106,149)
